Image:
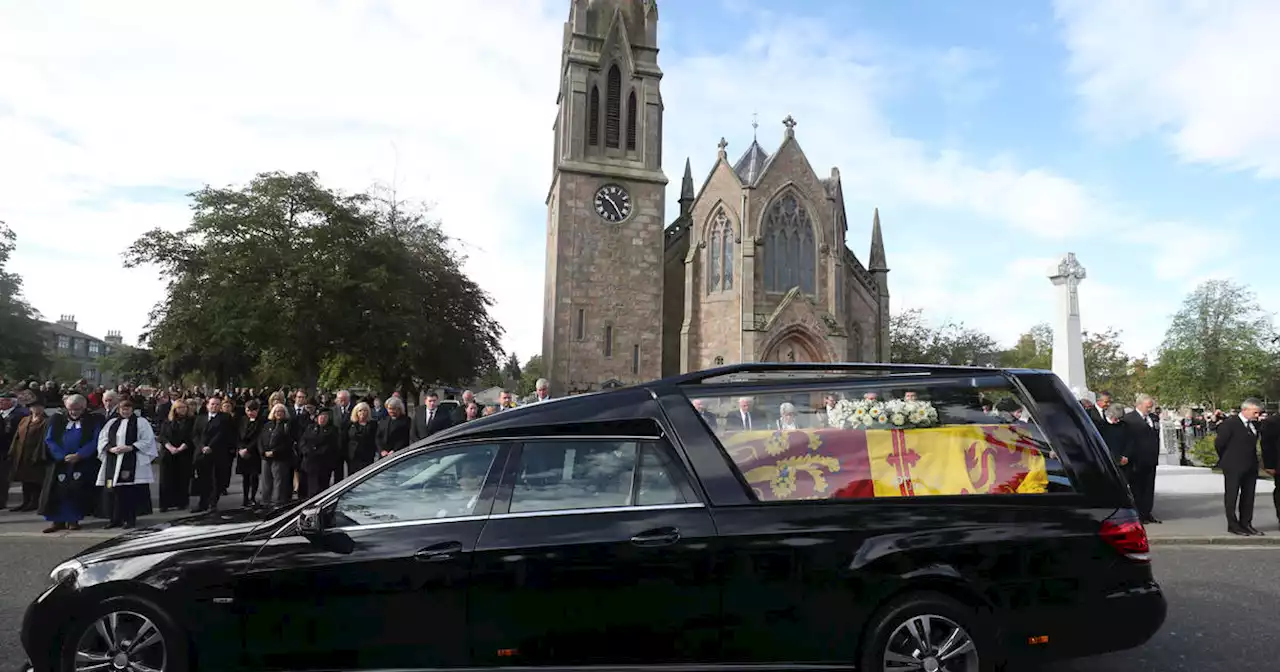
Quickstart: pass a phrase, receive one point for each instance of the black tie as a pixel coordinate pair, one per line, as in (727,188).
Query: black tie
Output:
(430,414)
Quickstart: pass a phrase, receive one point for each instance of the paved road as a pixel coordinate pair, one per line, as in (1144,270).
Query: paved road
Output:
(1222,606)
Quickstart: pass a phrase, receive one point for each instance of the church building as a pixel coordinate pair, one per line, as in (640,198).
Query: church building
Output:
(754,268)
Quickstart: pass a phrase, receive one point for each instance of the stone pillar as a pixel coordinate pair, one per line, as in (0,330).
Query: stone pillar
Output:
(1068,344)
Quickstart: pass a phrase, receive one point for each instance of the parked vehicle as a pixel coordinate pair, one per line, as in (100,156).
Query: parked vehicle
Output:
(774,515)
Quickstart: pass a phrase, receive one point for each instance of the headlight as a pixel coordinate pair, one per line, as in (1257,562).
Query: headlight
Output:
(65,571)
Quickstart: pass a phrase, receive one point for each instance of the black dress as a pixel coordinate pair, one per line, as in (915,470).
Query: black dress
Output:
(362,445)
(321,450)
(175,469)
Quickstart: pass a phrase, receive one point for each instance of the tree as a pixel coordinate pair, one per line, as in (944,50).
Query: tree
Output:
(1107,367)
(913,340)
(131,364)
(22,352)
(1033,350)
(511,369)
(284,280)
(1218,348)
(533,370)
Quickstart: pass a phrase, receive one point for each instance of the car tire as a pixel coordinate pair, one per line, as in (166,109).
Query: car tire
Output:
(124,630)
(897,633)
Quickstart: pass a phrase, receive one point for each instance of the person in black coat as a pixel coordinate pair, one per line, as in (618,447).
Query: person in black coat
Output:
(248,461)
(362,439)
(177,450)
(275,448)
(429,418)
(1269,442)
(1237,447)
(393,430)
(1116,435)
(215,435)
(340,416)
(321,451)
(1144,454)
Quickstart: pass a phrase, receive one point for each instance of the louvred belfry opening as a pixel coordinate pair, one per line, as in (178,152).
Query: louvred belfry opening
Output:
(613,108)
(631,122)
(593,117)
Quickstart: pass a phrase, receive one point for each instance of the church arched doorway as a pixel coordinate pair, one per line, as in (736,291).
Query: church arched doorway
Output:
(794,346)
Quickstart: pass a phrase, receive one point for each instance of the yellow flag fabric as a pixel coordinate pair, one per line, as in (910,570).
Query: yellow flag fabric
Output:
(839,464)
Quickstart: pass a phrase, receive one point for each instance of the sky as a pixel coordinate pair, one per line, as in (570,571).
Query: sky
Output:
(993,136)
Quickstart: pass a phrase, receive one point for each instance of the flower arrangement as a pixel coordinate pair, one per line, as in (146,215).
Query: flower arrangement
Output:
(876,414)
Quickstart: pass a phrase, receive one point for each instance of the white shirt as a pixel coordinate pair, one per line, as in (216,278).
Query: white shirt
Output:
(746,420)
(144,445)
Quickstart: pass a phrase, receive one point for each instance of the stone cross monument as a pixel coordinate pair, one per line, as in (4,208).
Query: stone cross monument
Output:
(1068,344)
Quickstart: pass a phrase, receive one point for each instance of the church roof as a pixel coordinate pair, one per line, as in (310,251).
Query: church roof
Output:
(752,163)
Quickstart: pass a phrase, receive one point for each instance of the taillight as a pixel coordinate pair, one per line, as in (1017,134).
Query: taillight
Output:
(1124,532)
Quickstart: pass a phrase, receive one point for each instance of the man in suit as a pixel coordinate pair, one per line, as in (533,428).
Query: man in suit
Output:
(745,418)
(460,413)
(707,416)
(428,418)
(340,418)
(1237,446)
(1086,401)
(1269,439)
(1143,456)
(216,435)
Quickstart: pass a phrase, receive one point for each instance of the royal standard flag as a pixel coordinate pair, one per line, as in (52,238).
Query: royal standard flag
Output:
(843,464)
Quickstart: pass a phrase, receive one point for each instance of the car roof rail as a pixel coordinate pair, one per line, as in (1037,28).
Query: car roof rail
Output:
(780,371)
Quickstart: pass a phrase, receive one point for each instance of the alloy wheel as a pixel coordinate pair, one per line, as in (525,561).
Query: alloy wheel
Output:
(121,641)
(930,643)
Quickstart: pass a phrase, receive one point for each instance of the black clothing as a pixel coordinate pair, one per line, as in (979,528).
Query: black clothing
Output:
(176,468)
(393,434)
(249,465)
(362,446)
(275,448)
(1237,447)
(321,451)
(218,433)
(1269,439)
(1116,437)
(1144,454)
(340,418)
(427,422)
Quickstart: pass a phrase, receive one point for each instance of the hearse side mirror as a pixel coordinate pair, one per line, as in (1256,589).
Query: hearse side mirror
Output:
(311,521)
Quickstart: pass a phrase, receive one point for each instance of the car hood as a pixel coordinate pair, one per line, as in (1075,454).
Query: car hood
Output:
(203,530)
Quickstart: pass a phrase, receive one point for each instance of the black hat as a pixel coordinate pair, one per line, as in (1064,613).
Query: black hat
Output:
(8,395)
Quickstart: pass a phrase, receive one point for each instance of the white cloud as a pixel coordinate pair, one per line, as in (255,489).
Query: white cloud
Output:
(458,110)
(1202,73)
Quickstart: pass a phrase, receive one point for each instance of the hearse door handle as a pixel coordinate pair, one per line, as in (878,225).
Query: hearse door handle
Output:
(662,536)
(439,552)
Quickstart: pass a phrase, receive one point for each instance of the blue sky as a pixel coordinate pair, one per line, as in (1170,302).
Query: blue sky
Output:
(993,136)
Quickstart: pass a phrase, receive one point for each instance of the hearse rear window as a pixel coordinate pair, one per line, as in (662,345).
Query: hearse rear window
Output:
(868,440)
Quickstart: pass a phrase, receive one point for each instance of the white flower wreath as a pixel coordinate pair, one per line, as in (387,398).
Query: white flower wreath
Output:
(869,414)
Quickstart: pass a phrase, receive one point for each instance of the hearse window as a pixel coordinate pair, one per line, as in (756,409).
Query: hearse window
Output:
(866,440)
(439,484)
(566,474)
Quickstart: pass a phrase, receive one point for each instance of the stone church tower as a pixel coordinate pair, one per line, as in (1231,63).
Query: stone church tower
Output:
(602,321)
(754,268)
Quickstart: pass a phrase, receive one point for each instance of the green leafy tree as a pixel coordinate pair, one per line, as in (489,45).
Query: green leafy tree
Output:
(1033,350)
(529,375)
(286,280)
(511,368)
(1218,348)
(135,365)
(913,340)
(22,352)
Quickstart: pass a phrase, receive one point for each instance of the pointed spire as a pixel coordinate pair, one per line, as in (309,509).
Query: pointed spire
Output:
(877,260)
(686,189)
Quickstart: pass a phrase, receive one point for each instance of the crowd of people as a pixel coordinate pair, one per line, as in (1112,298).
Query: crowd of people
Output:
(81,452)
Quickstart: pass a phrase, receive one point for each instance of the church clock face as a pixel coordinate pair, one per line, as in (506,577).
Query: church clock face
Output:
(613,203)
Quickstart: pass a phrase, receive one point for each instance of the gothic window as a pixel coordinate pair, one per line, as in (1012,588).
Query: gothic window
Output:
(580,327)
(608,341)
(790,257)
(593,117)
(631,122)
(720,253)
(635,359)
(613,108)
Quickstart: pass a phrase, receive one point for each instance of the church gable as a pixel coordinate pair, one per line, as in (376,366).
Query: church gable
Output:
(798,327)
(617,46)
(790,168)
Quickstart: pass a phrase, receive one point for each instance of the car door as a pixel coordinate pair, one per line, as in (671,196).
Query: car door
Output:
(598,552)
(385,583)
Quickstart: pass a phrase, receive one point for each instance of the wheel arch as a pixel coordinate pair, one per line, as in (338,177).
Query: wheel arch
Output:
(132,591)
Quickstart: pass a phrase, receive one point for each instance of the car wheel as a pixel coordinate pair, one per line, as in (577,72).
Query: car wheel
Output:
(928,632)
(124,635)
